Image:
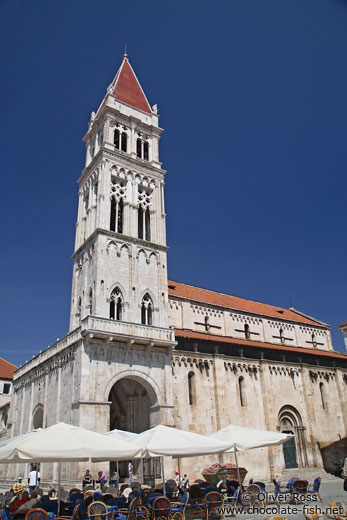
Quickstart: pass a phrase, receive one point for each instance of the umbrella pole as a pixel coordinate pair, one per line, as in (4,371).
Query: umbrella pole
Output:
(59,480)
(162,470)
(237,469)
(118,482)
(179,472)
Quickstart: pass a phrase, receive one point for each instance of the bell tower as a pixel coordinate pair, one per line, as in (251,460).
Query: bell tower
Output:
(120,272)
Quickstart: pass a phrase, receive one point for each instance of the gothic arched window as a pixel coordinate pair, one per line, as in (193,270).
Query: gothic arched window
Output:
(139,148)
(124,142)
(116,138)
(242,391)
(247,333)
(191,392)
(116,305)
(146,310)
(145,151)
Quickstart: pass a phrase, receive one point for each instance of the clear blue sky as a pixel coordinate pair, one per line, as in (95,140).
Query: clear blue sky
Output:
(253,98)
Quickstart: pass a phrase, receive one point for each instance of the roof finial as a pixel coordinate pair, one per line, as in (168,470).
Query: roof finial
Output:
(125,52)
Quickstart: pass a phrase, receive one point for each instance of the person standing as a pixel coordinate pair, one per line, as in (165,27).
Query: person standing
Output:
(345,475)
(130,471)
(34,479)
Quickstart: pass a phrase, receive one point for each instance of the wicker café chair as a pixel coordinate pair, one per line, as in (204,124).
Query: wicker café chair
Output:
(299,488)
(97,511)
(178,508)
(214,504)
(161,508)
(255,494)
(36,514)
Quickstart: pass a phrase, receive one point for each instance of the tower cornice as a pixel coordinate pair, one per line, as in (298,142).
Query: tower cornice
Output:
(122,238)
(123,159)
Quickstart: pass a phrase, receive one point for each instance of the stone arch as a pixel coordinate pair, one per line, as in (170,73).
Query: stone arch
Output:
(38,416)
(122,290)
(150,384)
(126,248)
(114,244)
(294,450)
(154,300)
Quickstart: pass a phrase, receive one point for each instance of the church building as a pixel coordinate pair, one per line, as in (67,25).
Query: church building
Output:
(143,350)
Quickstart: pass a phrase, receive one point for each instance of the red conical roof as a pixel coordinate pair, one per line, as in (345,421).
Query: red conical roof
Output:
(128,89)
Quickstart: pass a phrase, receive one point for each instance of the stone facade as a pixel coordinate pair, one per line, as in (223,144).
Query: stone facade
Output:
(143,351)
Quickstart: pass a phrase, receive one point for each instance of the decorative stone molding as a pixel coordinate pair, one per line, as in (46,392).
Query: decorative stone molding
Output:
(280,325)
(206,311)
(321,374)
(241,318)
(310,330)
(174,304)
(241,367)
(39,372)
(286,371)
(191,362)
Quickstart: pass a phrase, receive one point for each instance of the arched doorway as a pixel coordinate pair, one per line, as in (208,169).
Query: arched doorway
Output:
(294,450)
(134,409)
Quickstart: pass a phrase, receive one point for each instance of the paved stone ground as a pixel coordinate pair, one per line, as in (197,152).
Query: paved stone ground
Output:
(329,491)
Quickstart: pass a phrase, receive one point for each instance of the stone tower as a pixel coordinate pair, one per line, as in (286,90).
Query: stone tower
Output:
(120,270)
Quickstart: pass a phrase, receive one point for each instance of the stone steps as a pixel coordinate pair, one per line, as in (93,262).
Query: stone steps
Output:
(307,474)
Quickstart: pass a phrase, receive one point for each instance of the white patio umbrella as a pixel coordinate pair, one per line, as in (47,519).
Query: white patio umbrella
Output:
(122,435)
(172,442)
(242,438)
(65,442)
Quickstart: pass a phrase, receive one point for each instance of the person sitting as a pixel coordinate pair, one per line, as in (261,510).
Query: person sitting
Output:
(102,478)
(30,504)
(19,486)
(18,500)
(114,479)
(87,479)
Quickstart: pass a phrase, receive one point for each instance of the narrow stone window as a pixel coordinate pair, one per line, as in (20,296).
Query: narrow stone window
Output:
(282,338)
(191,388)
(90,301)
(116,215)
(323,395)
(148,224)
(113,214)
(116,305)
(124,142)
(116,138)
(79,306)
(140,222)
(147,310)
(139,148)
(146,151)
(247,332)
(242,391)
(120,216)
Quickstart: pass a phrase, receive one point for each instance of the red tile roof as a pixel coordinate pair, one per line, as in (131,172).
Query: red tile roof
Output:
(233,302)
(181,333)
(6,369)
(343,324)
(127,88)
